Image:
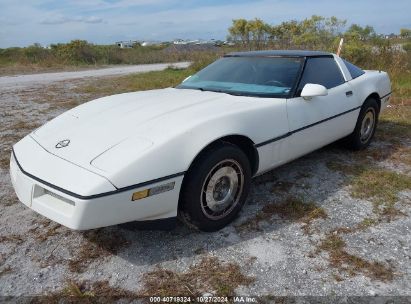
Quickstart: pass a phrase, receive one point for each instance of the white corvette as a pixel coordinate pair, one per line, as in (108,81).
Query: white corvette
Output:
(192,150)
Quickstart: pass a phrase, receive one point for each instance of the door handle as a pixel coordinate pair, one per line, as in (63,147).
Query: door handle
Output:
(349,93)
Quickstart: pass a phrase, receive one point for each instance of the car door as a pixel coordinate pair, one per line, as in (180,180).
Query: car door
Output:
(320,120)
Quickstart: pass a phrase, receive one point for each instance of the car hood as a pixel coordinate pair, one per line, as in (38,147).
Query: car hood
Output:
(101,124)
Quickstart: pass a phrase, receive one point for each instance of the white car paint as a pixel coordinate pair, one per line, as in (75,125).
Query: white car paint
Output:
(129,142)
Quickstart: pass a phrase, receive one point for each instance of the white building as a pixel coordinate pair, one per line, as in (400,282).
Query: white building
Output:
(125,44)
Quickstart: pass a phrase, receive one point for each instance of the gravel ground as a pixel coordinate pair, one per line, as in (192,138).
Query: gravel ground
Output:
(24,81)
(281,252)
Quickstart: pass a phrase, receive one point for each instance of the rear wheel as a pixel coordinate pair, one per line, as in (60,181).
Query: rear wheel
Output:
(215,188)
(365,127)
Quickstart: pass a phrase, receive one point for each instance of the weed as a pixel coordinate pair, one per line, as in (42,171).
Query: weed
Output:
(43,233)
(338,278)
(363,225)
(96,245)
(381,187)
(395,124)
(345,168)
(209,275)
(7,269)
(135,82)
(87,292)
(291,209)
(4,161)
(339,258)
(375,184)
(12,238)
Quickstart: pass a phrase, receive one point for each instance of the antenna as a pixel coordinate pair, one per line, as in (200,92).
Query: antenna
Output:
(340,47)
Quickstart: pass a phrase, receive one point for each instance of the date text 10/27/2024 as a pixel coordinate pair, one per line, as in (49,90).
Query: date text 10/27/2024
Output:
(203,299)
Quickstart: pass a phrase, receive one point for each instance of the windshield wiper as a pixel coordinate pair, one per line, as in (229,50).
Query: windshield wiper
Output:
(219,91)
(205,89)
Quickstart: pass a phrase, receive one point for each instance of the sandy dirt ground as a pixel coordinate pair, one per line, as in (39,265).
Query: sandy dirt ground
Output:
(24,81)
(304,231)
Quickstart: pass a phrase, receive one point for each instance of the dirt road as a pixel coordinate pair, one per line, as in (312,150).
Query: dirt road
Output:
(23,81)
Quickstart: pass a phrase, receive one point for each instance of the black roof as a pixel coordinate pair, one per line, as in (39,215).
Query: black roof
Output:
(279,53)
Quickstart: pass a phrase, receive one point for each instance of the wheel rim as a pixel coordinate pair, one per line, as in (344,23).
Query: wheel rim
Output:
(222,189)
(367,125)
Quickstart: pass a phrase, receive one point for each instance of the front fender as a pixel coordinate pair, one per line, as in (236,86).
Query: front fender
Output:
(174,149)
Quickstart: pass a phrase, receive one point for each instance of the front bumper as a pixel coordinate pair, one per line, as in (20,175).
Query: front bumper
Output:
(94,211)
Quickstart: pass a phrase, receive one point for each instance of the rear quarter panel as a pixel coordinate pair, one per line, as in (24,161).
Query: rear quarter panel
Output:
(372,82)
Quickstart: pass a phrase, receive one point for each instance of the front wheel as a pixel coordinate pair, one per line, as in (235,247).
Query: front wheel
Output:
(365,127)
(215,188)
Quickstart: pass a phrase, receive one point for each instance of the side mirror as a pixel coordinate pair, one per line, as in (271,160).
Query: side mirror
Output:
(311,90)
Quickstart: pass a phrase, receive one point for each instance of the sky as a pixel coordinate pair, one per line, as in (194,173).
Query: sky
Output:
(105,21)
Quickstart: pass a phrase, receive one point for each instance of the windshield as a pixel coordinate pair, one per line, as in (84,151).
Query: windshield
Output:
(247,76)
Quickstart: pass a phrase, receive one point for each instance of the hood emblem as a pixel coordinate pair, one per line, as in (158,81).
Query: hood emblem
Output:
(63,143)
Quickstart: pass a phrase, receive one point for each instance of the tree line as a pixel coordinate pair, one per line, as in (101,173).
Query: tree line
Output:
(322,33)
(361,44)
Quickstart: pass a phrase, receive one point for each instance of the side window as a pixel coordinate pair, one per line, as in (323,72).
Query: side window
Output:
(353,69)
(321,70)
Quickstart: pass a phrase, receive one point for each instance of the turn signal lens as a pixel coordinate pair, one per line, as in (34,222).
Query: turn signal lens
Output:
(153,191)
(140,194)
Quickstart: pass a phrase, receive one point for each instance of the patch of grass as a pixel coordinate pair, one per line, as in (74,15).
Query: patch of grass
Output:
(296,209)
(338,278)
(87,292)
(395,153)
(96,244)
(364,224)
(19,129)
(339,258)
(44,232)
(381,187)
(402,155)
(209,275)
(7,269)
(24,126)
(4,161)
(345,168)
(12,238)
(74,289)
(8,200)
(375,184)
(291,208)
(134,82)
(395,124)
(401,89)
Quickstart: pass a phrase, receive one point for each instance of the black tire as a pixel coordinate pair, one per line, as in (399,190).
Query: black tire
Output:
(359,139)
(194,205)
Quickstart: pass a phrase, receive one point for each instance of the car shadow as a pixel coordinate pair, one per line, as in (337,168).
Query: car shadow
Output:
(308,177)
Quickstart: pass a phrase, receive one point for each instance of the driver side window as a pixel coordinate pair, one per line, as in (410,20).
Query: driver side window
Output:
(321,70)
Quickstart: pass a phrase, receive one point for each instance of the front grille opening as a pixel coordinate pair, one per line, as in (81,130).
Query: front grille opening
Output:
(41,193)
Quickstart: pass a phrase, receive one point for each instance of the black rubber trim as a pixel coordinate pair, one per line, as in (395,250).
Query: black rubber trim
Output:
(272,140)
(164,224)
(303,128)
(386,95)
(88,197)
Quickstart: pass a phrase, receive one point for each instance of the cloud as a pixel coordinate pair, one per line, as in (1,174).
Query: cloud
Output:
(47,21)
(59,19)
